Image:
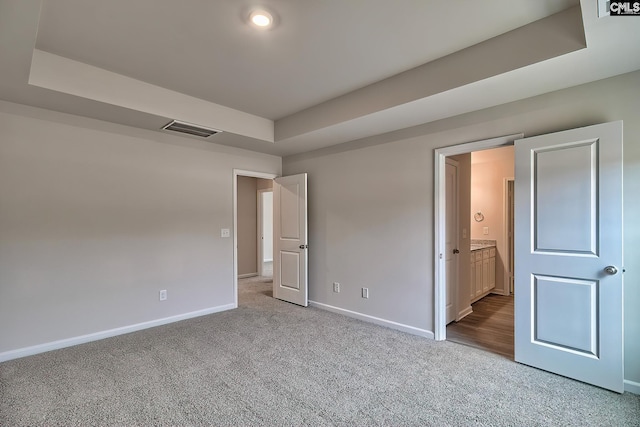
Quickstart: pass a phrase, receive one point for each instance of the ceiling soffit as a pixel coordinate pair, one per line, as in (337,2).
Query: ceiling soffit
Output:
(547,38)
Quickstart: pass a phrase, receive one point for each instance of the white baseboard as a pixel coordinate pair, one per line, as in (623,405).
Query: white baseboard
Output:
(631,387)
(464,313)
(68,342)
(244,276)
(371,319)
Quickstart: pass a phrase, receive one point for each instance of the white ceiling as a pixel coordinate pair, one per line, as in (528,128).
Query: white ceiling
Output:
(330,71)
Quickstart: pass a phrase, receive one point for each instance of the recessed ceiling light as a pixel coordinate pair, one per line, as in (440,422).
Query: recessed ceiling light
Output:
(261,18)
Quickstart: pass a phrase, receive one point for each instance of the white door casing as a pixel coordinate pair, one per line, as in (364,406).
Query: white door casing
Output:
(451,239)
(509,232)
(290,259)
(568,213)
(439,217)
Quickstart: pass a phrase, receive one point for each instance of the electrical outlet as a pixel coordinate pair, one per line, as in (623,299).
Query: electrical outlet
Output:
(365,292)
(163,295)
(336,287)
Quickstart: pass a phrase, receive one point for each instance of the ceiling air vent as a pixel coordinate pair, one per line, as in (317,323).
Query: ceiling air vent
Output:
(190,129)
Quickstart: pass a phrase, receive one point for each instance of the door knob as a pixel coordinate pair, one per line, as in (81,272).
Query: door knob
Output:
(611,269)
(455,251)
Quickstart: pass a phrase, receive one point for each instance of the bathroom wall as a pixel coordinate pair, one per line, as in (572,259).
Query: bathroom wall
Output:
(489,171)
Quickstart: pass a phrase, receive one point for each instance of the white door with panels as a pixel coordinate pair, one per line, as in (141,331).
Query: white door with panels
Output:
(568,254)
(290,260)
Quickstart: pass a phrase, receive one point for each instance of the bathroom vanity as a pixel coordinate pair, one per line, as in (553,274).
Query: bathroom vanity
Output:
(483,268)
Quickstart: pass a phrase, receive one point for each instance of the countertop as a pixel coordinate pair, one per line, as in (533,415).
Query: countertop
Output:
(477,245)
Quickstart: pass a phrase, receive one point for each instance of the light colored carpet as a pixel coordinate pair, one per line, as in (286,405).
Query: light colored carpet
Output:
(273,363)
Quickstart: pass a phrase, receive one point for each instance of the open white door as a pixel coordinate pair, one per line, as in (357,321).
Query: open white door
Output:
(290,239)
(568,254)
(451,239)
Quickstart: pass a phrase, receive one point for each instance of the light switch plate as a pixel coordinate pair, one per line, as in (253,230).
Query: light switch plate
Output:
(225,232)
(485,230)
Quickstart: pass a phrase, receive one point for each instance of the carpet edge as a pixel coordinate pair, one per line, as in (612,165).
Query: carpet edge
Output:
(372,319)
(82,339)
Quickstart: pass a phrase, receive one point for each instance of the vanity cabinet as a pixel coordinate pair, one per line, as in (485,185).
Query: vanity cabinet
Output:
(483,272)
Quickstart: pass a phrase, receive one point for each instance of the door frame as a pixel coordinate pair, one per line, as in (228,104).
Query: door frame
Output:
(236,174)
(260,240)
(439,216)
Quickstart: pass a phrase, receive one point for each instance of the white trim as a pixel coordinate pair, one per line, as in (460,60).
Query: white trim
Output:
(236,173)
(371,319)
(246,275)
(268,260)
(439,203)
(464,313)
(506,288)
(632,387)
(68,342)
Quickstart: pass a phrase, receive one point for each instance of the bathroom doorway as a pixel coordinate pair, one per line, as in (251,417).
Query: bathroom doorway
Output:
(485,307)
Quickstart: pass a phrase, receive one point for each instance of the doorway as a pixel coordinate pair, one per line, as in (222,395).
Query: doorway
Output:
(568,187)
(246,185)
(464,298)
(484,317)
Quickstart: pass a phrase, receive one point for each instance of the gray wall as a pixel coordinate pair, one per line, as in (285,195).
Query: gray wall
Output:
(96,218)
(371,203)
(489,168)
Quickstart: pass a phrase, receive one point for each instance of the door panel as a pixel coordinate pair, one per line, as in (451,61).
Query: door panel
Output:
(580,332)
(290,239)
(290,210)
(290,269)
(568,214)
(566,197)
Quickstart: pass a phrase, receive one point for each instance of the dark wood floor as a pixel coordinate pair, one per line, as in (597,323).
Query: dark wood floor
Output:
(489,327)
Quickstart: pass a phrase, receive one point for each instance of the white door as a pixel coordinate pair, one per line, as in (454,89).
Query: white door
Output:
(568,254)
(451,238)
(290,239)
